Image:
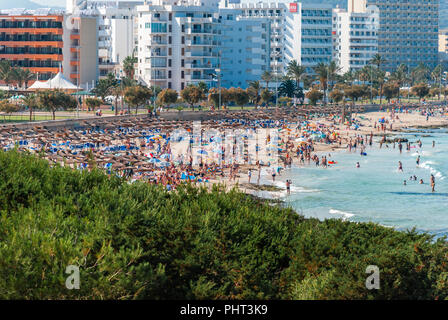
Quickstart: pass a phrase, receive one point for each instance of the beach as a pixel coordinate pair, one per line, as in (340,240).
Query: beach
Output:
(313,151)
(375,192)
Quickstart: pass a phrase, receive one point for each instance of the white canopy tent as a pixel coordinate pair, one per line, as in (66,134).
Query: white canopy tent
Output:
(38,85)
(57,82)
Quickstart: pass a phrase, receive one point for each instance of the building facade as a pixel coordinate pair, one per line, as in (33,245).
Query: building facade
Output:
(48,41)
(408,32)
(355,36)
(117,30)
(244,48)
(177,44)
(316,35)
(33,40)
(80,63)
(301,32)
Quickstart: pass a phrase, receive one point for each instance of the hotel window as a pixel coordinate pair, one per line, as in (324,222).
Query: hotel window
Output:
(158,27)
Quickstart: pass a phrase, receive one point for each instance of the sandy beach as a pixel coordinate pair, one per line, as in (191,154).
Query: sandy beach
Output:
(143,149)
(366,120)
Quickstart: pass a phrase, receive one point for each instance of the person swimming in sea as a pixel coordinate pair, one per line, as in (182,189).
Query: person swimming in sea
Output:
(404,182)
(418,161)
(358,165)
(421,181)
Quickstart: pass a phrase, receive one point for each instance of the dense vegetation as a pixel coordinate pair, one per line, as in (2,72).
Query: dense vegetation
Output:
(139,241)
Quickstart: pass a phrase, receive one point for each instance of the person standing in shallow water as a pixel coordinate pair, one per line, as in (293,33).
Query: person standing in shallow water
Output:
(433,183)
(400,166)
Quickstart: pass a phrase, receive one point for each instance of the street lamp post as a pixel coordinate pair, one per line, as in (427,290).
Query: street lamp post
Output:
(218,71)
(276,81)
(440,83)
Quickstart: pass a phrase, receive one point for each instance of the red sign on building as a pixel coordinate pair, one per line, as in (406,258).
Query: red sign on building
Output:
(293,7)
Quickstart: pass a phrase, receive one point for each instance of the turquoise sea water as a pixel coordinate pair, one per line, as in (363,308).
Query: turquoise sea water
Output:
(375,191)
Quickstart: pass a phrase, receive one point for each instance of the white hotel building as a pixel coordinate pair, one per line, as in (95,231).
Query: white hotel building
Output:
(192,42)
(177,44)
(355,35)
(181,43)
(116,29)
(301,32)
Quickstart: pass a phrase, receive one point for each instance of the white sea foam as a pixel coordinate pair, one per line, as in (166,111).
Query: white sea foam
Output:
(427,165)
(294,189)
(345,215)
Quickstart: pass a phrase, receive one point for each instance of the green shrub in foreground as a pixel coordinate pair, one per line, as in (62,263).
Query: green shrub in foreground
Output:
(137,241)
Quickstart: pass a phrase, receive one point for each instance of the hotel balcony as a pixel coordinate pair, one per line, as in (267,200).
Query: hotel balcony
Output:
(203,43)
(157,43)
(31,56)
(193,77)
(192,54)
(31,30)
(200,66)
(201,31)
(54,44)
(157,77)
(160,54)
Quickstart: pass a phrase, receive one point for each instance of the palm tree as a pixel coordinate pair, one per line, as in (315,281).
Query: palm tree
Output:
(117,91)
(27,77)
(287,88)
(349,77)
(436,76)
(322,75)
(255,87)
(103,86)
(267,77)
(6,72)
(128,66)
(296,71)
(420,74)
(333,70)
(32,102)
(362,75)
(380,78)
(17,76)
(378,60)
(400,76)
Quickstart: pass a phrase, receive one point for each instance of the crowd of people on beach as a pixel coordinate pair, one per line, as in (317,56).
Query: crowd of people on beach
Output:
(141,149)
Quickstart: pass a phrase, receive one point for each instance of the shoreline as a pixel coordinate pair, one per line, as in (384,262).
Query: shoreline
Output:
(406,122)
